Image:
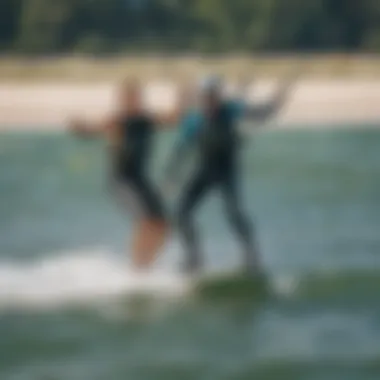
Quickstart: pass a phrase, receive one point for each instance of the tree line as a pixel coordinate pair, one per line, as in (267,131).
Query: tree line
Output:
(43,27)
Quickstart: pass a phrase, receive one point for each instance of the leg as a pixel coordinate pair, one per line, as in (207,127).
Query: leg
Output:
(238,220)
(149,237)
(193,194)
(153,227)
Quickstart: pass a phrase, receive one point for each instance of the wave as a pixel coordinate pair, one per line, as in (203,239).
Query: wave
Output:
(87,276)
(329,285)
(80,277)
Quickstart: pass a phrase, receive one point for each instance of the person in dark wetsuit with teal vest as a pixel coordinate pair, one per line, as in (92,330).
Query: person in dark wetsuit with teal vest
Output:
(129,132)
(213,130)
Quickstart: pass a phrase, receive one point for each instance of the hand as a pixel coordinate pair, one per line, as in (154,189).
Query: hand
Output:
(287,85)
(77,126)
(294,75)
(244,82)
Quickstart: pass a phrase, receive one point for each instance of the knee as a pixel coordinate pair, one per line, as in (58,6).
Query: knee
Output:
(232,211)
(184,216)
(236,216)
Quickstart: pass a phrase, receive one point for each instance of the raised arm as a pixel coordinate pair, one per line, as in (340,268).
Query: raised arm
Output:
(270,109)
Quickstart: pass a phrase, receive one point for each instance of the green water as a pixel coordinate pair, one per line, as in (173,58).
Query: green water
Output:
(315,197)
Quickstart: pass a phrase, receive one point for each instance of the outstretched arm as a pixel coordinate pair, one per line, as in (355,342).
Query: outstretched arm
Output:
(106,128)
(84,128)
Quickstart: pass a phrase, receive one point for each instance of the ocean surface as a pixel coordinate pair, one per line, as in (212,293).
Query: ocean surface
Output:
(65,306)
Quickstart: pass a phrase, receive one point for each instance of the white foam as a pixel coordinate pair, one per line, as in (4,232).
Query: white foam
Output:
(284,285)
(82,276)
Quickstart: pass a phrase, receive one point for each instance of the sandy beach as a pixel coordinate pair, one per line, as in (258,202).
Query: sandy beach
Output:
(47,106)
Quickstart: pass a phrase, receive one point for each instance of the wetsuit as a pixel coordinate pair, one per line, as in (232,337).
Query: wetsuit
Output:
(129,168)
(216,138)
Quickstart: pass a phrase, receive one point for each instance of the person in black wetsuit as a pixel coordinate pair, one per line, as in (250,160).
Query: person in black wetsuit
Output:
(130,135)
(212,129)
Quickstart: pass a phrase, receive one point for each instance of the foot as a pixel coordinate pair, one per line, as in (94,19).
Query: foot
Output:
(252,267)
(190,269)
(255,273)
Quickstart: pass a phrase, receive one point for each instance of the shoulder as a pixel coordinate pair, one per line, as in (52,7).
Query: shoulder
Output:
(234,107)
(191,114)
(140,123)
(145,121)
(191,119)
(190,123)
(115,118)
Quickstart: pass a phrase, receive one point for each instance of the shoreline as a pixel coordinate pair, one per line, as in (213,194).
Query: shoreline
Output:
(184,67)
(47,106)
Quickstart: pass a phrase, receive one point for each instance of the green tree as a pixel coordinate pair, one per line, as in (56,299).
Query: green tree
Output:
(9,19)
(43,25)
(112,26)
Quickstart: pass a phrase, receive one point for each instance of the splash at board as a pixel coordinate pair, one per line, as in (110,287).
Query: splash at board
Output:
(222,285)
(86,277)
(231,285)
